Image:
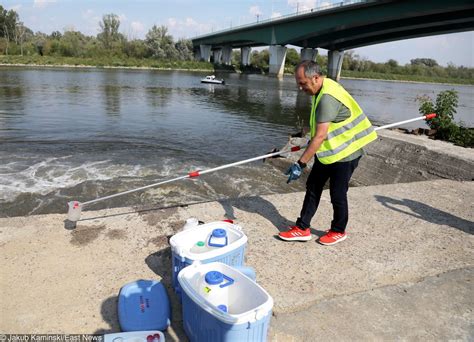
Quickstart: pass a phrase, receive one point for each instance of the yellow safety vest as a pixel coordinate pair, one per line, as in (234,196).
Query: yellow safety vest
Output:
(345,137)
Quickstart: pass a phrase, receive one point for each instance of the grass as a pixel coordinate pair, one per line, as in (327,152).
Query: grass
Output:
(105,62)
(410,78)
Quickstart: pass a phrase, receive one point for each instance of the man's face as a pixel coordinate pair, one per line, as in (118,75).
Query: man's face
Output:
(309,85)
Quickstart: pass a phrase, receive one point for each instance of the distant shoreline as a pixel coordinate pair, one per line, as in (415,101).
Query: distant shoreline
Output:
(403,81)
(84,66)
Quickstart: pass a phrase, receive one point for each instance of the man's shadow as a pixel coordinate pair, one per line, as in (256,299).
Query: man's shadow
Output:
(260,206)
(160,263)
(108,310)
(427,213)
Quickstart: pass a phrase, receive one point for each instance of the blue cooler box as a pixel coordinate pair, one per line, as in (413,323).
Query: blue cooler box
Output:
(219,241)
(143,305)
(222,304)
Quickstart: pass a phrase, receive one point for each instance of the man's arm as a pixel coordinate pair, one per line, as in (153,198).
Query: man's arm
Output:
(315,143)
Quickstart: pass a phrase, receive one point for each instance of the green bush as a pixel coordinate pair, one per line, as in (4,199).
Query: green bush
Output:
(445,108)
(462,136)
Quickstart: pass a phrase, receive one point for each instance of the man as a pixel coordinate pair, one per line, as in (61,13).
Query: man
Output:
(339,130)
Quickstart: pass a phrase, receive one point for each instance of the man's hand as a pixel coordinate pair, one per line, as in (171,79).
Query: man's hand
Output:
(293,173)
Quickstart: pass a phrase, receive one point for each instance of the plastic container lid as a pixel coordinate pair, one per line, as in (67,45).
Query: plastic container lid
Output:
(214,277)
(143,305)
(219,233)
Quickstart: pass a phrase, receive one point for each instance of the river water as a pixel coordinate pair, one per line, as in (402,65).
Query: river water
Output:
(68,134)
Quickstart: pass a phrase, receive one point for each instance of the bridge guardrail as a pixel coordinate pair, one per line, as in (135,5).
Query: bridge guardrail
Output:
(285,16)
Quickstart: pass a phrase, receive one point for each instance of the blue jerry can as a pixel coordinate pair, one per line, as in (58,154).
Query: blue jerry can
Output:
(143,305)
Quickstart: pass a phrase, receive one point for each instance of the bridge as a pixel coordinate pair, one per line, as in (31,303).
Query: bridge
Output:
(337,27)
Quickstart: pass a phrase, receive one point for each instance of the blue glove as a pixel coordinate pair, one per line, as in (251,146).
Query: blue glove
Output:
(293,173)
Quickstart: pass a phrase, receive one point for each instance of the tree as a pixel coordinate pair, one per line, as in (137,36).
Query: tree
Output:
(135,48)
(8,20)
(260,59)
(55,35)
(20,31)
(392,63)
(353,62)
(72,44)
(236,56)
(184,49)
(292,58)
(40,42)
(424,61)
(348,60)
(160,43)
(109,25)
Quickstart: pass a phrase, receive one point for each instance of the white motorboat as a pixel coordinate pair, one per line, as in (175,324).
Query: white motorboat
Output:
(212,79)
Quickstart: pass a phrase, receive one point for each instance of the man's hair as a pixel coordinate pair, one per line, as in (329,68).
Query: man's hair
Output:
(310,68)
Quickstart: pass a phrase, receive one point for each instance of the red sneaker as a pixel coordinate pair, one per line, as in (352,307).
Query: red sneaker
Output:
(332,237)
(296,234)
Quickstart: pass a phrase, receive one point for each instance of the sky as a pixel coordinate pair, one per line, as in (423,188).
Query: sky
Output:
(189,18)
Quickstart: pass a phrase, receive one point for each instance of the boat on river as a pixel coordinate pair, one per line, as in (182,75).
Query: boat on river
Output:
(212,79)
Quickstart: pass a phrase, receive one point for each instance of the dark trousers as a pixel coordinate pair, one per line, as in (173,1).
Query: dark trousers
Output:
(339,175)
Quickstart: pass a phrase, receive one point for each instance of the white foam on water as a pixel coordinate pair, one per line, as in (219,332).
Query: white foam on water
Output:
(47,178)
(52,174)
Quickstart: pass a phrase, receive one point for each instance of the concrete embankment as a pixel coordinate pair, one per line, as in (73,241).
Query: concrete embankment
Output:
(399,158)
(405,271)
(402,158)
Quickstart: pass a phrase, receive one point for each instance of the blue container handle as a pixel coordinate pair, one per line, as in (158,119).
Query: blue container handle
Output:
(230,281)
(217,244)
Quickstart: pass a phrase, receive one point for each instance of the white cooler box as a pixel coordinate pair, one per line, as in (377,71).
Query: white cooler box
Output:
(215,241)
(222,304)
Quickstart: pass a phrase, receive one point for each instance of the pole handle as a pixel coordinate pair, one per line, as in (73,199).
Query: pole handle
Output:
(430,116)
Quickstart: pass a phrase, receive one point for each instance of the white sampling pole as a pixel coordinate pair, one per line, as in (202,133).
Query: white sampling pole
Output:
(75,207)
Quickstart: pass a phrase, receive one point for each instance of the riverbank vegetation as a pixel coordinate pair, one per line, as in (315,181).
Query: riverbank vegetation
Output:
(106,61)
(20,45)
(443,124)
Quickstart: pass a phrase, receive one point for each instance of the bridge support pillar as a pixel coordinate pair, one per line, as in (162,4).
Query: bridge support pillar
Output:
(205,52)
(217,56)
(308,54)
(227,55)
(245,55)
(335,59)
(277,60)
